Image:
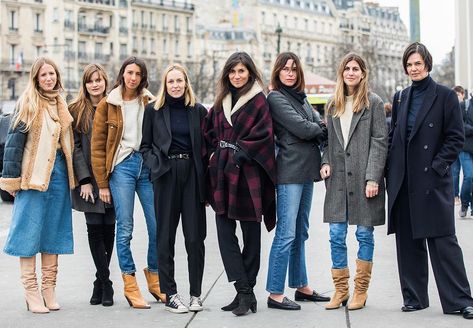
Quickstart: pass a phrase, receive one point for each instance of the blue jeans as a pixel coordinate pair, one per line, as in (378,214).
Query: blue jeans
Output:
(466,160)
(338,246)
(293,208)
(455,167)
(128,177)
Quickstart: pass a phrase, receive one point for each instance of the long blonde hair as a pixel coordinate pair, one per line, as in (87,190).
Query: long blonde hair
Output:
(336,106)
(27,107)
(81,107)
(189,99)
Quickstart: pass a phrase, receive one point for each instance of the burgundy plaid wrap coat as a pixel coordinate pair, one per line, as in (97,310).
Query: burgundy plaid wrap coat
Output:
(245,193)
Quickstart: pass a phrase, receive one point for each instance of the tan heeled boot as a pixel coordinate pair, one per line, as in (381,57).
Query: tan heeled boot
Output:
(133,294)
(34,301)
(153,285)
(341,295)
(48,283)
(362,282)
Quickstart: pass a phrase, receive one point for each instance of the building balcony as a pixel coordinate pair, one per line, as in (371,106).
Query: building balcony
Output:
(172,4)
(123,3)
(97,30)
(12,29)
(100,2)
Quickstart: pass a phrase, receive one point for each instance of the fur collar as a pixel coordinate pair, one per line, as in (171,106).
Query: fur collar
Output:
(227,101)
(115,96)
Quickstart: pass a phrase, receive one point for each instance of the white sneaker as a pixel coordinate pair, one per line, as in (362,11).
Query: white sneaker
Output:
(195,304)
(175,305)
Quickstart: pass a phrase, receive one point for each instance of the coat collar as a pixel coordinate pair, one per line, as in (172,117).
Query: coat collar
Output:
(302,109)
(227,101)
(429,99)
(115,96)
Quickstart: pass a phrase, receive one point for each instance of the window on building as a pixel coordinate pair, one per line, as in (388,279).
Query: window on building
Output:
(98,49)
(12,54)
(189,49)
(151,19)
(176,48)
(296,22)
(263,17)
(143,45)
(55,14)
(165,46)
(134,18)
(81,49)
(13,20)
(82,21)
(123,51)
(152,46)
(143,23)
(176,23)
(285,21)
(306,24)
(68,48)
(134,44)
(188,24)
(38,51)
(37,22)
(164,18)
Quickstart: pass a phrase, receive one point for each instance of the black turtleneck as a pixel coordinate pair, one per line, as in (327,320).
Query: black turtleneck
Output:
(298,95)
(418,92)
(235,94)
(181,141)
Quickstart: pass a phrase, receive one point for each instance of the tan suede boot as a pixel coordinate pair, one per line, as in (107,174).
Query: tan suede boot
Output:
(341,295)
(153,285)
(133,294)
(362,282)
(48,283)
(34,301)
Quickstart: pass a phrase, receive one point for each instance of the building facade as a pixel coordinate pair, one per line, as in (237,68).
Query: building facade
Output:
(464,44)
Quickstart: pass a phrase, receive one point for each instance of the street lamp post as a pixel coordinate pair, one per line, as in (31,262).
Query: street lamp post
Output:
(278,32)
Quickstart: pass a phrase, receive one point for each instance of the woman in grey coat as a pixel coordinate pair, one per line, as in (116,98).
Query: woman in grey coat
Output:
(353,169)
(299,131)
(99,216)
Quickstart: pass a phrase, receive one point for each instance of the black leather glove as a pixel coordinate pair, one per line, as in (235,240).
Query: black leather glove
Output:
(241,157)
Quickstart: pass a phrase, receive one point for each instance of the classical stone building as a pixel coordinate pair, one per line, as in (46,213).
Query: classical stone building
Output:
(77,32)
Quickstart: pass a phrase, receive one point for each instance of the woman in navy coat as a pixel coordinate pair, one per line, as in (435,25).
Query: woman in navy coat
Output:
(425,139)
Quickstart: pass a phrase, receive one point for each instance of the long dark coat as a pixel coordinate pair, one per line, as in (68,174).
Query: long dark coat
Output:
(157,140)
(246,193)
(435,141)
(362,160)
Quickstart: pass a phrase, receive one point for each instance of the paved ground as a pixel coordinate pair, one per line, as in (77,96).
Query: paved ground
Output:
(76,275)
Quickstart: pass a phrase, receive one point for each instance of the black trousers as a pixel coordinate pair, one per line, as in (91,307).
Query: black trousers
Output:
(240,265)
(446,258)
(176,193)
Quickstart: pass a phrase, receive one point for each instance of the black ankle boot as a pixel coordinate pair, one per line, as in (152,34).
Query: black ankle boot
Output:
(107,295)
(246,301)
(96,293)
(232,306)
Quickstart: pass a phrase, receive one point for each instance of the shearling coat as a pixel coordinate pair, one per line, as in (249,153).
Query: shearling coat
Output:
(425,158)
(29,156)
(362,160)
(107,133)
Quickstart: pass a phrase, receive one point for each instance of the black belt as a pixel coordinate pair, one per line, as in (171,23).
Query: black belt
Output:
(180,156)
(224,144)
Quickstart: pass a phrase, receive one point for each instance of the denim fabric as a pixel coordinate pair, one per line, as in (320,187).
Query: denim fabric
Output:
(42,220)
(455,167)
(338,246)
(128,177)
(293,208)
(466,160)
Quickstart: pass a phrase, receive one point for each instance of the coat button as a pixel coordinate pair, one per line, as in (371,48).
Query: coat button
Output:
(348,154)
(350,193)
(427,192)
(431,125)
(350,174)
(426,147)
(426,169)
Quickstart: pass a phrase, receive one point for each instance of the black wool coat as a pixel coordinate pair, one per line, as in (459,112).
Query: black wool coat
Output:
(157,140)
(425,157)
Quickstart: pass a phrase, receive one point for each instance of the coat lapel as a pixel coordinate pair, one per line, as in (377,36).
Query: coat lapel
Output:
(167,119)
(338,130)
(403,114)
(354,122)
(191,117)
(429,99)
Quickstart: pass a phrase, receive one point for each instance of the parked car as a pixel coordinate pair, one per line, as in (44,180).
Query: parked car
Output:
(4,125)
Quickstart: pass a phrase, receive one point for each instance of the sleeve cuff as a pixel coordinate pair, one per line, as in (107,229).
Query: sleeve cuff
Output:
(10,184)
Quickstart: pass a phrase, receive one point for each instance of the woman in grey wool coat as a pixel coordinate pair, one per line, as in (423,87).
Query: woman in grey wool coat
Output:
(353,169)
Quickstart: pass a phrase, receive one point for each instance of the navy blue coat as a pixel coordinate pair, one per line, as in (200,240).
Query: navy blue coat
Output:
(434,144)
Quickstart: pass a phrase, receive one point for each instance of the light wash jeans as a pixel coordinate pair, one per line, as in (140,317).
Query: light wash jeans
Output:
(338,246)
(293,208)
(128,177)
(466,160)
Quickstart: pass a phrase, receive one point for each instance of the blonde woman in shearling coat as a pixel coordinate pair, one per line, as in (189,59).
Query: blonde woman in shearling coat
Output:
(37,170)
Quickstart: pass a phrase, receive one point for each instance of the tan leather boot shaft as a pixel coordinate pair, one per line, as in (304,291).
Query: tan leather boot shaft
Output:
(153,285)
(133,294)
(362,282)
(34,301)
(48,280)
(341,295)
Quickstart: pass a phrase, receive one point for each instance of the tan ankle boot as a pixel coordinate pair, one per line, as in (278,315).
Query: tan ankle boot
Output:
(341,295)
(362,282)
(153,285)
(133,294)
(34,301)
(48,283)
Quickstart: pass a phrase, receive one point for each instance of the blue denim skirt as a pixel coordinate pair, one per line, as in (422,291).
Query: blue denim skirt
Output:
(42,220)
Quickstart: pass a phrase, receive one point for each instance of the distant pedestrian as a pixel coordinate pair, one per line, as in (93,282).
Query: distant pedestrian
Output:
(456,166)
(172,148)
(426,139)
(242,172)
(119,171)
(38,171)
(353,169)
(387,111)
(99,216)
(299,132)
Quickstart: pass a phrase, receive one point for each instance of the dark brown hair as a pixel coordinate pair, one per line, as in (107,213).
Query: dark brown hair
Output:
(144,74)
(281,61)
(417,48)
(223,87)
(459,88)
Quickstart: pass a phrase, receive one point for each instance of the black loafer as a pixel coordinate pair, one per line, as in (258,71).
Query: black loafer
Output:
(315,297)
(410,308)
(467,312)
(286,304)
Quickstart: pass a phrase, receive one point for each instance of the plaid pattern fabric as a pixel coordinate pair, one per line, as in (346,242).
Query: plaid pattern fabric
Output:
(246,193)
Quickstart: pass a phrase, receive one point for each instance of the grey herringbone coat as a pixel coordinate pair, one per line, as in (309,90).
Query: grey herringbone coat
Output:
(363,159)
